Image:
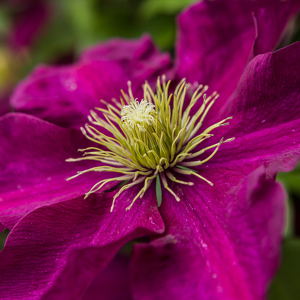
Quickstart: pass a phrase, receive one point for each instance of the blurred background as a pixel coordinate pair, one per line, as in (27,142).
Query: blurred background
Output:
(55,32)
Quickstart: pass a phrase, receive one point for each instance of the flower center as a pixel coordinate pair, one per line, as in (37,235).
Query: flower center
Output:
(152,139)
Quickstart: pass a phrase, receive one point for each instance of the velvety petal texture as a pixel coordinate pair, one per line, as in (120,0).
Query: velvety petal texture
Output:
(65,95)
(270,22)
(216,39)
(266,110)
(141,58)
(112,283)
(33,170)
(221,242)
(59,249)
(213,46)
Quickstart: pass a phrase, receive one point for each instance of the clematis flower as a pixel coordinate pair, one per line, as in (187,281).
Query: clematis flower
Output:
(217,242)
(29,18)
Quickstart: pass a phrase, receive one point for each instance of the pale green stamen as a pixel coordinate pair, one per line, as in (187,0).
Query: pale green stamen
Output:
(153,138)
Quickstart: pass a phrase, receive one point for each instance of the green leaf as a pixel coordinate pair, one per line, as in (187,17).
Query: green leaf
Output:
(158,191)
(5,21)
(286,285)
(185,168)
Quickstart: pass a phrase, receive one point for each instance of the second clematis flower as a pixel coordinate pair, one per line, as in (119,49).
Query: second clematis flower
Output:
(222,239)
(28,17)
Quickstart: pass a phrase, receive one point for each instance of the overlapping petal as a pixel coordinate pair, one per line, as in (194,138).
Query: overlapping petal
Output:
(216,40)
(268,93)
(270,23)
(65,95)
(266,110)
(112,283)
(221,242)
(33,166)
(213,46)
(59,249)
(141,59)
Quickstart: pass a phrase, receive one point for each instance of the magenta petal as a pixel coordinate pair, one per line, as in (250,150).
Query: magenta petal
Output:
(270,22)
(112,283)
(266,112)
(214,43)
(140,58)
(221,242)
(122,50)
(217,39)
(278,149)
(65,95)
(33,170)
(4,104)
(56,251)
(268,93)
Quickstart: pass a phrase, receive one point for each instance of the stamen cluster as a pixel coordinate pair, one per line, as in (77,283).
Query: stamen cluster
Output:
(151,139)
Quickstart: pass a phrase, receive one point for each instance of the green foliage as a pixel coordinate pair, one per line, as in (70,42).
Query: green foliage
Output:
(150,8)
(290,219)
(76,24)
(286,285)
(3,236)
(291,180)
(4,20)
